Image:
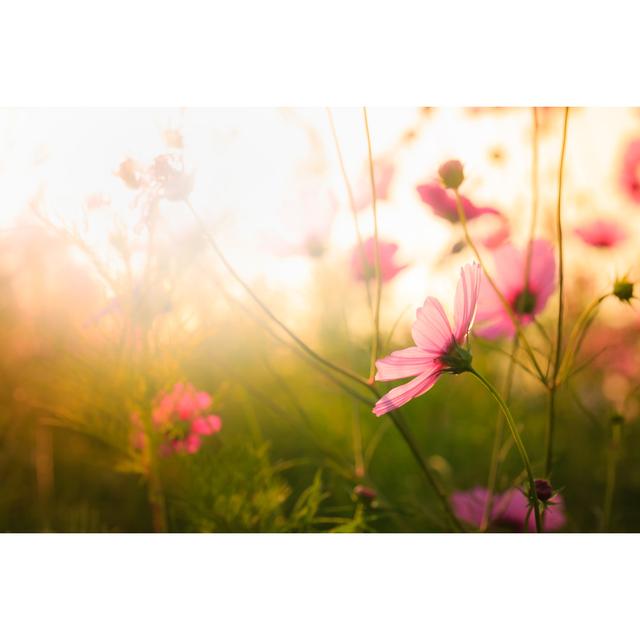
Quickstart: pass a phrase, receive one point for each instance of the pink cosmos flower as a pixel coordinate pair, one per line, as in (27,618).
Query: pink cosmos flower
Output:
(438,347)
(509,510)
(630,175)
(383,172)
(601,233)
(388,267)
(444,205)
(181,416)
(526,301)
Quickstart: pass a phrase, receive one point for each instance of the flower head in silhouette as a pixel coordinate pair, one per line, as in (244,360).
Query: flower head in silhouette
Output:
(439,347)
(601,233)
(526,301)
(366,269)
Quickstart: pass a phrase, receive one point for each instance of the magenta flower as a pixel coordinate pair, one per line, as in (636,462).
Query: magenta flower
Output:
(181,416)
(525,301)
(509,510)
(383,172)
(601,233)
(388,267)
(630,175)
(439,348)
(444,205)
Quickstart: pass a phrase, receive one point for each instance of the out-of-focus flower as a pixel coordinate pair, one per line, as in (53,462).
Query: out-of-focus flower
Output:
(615,348)
(173,138)
(181,416)
(438,347)
(496,235)
(526,301)
(131,172)
(164,178)
(96,201)
(510,510)
(444,205)
(366,269)
(365,494)
(630,174)
(383,172)
(601,233)
(169,177)
(451,173)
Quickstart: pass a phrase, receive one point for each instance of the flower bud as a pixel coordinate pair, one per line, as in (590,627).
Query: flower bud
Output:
(364,493)
(544,491)
(623,289)
(451,174)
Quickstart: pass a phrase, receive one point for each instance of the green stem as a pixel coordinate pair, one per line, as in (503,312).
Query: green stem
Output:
(497,440)
(553,385)
(308,350)
(512,315)
(376,314)
(612,466)
(403,428)
(519,445)
(352,205)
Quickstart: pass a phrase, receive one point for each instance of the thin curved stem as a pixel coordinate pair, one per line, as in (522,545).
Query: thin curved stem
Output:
(308,350)
(612,466)
(352,206)
(497,440)
(512,315)
(376,314)
(519,445)
(398,420)
(553,385)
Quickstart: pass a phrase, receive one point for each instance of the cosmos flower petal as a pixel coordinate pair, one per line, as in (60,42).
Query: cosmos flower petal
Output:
(399,396)
(403,364)
(431,331)
(467,293)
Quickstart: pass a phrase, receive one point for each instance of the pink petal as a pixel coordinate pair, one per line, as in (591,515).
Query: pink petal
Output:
(469,505)
(509,270)
(466,300)
(405,392)
(543,272)
(403,364)
(431,331)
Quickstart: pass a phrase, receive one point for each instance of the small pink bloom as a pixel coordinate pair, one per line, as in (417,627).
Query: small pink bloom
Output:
(630,175)
(383,172)
(526,301)
(180,414)
(509,510)
(444,205)
(388,267)
(601,233)
(438,347)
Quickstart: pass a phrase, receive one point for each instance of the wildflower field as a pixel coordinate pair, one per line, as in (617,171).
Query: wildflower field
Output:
(320,320)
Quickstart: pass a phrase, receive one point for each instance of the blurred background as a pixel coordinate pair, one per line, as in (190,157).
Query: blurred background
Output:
(111,295)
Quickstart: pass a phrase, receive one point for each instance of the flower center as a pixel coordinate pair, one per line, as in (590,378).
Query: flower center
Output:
(456,359)
(525,302)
